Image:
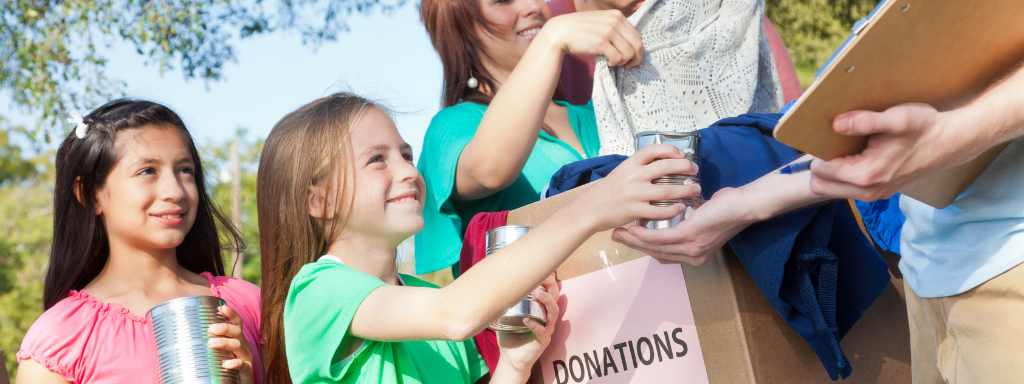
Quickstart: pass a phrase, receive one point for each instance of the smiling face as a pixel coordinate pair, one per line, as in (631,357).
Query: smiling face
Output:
(388,200)
(516,23)
(150,198)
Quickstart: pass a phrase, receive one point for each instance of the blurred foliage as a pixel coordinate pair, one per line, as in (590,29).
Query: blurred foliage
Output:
(26,221)
(217,166)
(52,61)
(813,29)
(13,165)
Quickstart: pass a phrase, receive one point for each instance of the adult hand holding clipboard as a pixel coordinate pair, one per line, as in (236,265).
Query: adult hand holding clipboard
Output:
(905,143)
(945,53)
(911,141)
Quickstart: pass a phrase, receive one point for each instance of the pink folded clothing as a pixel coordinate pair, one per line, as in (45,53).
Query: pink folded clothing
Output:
(474,248)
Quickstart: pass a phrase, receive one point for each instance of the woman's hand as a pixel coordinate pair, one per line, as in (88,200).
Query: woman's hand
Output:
(728,212)
(232,339)
(626,193)
(519,351)
(697,238)
(605,33)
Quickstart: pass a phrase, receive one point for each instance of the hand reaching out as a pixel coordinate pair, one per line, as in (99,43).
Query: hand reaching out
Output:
(696,239)
(629,189)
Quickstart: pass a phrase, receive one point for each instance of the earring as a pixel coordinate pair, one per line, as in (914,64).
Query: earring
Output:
(472,83)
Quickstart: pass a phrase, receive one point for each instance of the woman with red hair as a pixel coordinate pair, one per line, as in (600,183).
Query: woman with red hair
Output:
(503,131)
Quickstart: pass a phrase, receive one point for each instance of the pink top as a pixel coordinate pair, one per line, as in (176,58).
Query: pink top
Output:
(87,341)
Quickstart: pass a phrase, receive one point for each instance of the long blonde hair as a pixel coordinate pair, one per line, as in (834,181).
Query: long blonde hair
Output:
(310,146)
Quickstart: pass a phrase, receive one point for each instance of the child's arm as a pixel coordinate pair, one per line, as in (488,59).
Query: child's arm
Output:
(484,292)
(29,371)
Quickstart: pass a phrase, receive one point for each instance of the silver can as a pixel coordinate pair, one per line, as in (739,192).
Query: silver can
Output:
(689,144)
(512,320)
(181,332)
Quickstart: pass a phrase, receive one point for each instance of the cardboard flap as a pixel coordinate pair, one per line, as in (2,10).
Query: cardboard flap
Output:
(940,52)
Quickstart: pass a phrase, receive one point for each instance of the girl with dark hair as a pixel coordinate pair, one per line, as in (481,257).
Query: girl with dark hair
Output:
(133,226)
(501,134)
(337,193)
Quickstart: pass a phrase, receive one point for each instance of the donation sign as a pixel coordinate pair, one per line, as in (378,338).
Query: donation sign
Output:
(630,323)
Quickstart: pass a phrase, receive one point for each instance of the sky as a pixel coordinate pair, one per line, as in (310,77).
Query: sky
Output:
(387,58)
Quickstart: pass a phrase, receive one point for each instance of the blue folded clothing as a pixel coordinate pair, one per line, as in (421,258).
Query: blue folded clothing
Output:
(883,221)
(581,172)
(813,264)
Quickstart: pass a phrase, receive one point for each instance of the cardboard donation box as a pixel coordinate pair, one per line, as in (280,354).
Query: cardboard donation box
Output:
(626,318)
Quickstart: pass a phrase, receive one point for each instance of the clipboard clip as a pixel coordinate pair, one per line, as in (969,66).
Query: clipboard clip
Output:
(858,27)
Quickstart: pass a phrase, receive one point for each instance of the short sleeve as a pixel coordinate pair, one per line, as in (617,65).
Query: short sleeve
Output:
(244,298)
(438,244)
(46,345)
(322,300)
(475,362)
(59,338)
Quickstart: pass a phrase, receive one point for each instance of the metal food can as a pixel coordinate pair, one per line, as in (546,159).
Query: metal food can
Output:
(689,144)
(512,320)
(181,332)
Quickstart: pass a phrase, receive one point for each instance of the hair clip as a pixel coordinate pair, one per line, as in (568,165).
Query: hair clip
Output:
(81,128)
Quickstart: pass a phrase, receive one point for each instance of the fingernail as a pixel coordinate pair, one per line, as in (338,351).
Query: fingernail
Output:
(214,343)
(527,320)
(695,168)
(216,328)
(542,292)
(696,189)
(617,238)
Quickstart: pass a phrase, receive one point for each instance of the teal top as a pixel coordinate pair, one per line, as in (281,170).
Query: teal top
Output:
(322,301)
(438,245)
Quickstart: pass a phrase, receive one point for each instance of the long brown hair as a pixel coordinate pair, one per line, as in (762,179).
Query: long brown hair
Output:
(452,26)
(80,245)
(310,146)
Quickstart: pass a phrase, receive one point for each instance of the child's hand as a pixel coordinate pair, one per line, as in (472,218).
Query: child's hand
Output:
(520,350)
(233,340)
(626,193)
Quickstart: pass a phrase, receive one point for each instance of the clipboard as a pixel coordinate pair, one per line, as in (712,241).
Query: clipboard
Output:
(940,52)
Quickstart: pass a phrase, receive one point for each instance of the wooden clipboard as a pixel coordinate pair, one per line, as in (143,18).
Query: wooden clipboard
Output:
(940,52)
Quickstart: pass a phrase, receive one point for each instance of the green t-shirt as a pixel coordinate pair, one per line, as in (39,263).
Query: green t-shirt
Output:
(322,300)
(438,245)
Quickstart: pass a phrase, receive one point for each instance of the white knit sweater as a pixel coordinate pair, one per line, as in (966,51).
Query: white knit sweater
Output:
(706,60)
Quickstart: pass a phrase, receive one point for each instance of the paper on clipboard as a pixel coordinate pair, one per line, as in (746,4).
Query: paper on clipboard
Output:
(940,52)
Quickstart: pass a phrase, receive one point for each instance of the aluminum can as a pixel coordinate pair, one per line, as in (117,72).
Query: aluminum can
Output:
(689,144)
(181,331)
(512,320)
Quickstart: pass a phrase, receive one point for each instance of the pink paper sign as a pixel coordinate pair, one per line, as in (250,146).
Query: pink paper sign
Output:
(630,323)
